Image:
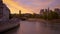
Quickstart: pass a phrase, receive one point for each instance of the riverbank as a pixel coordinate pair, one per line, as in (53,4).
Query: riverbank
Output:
(36,20)
(42,20)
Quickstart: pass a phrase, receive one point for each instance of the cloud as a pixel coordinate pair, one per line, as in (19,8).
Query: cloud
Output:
(14,7)
(36,5)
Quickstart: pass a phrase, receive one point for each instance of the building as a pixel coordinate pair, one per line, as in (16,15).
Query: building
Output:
(1,7)
(57,10)
(4,12)
(41,11)
(47,10)
(5,23)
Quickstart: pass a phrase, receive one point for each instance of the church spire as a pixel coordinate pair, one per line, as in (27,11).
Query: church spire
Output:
(48,9)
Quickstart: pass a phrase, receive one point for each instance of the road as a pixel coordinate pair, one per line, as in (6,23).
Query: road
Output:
(27,27)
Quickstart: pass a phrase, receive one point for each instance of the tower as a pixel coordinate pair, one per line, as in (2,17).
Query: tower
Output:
(48,10)
(20,12)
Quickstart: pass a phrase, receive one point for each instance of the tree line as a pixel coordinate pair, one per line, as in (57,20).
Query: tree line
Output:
(44,14)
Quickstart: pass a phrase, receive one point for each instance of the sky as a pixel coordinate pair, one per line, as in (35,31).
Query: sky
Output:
(31,6)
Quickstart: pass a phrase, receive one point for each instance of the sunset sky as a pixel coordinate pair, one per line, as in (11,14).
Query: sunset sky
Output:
(31,6)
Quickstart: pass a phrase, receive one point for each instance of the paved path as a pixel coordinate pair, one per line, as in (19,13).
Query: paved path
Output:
(8,25)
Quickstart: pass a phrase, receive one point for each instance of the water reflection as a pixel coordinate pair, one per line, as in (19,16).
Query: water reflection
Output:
(27,27)
(37,28)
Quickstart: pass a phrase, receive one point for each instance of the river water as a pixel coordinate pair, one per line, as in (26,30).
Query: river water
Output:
(27,27)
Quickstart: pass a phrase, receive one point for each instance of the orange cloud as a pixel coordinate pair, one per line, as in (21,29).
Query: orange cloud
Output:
(27,6)
(14,7)
(34,5)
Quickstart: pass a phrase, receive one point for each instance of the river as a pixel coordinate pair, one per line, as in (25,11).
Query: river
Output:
(27,27)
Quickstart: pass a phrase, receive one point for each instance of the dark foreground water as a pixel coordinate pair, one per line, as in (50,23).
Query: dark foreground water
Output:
(27,27)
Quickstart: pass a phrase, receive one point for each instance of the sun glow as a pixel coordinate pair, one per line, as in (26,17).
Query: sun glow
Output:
(15,7)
